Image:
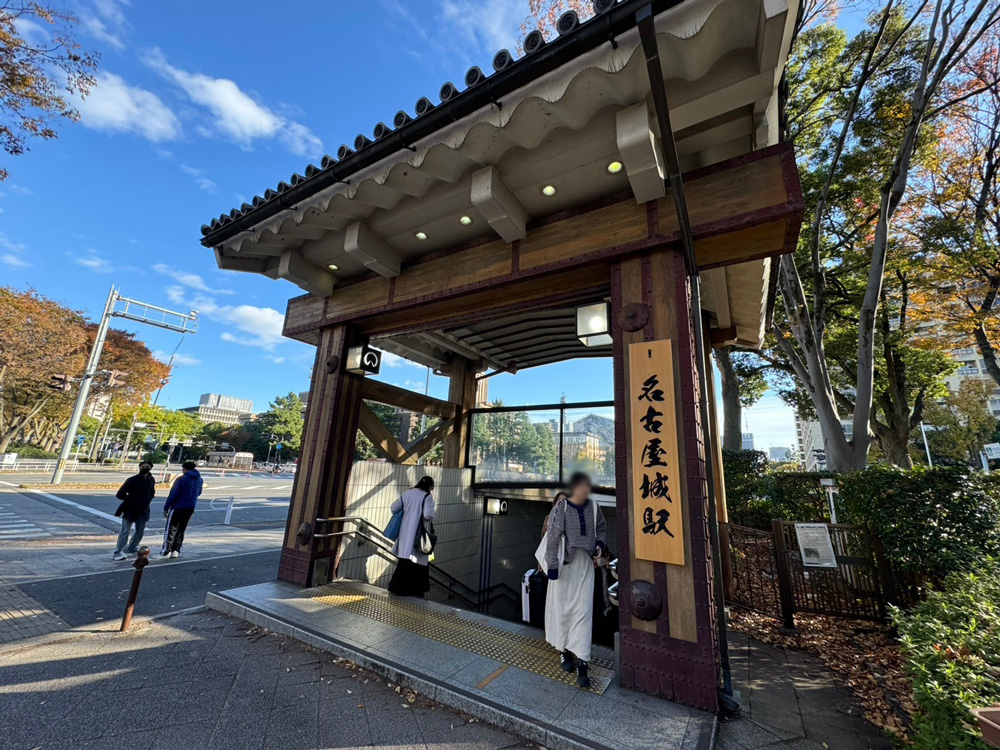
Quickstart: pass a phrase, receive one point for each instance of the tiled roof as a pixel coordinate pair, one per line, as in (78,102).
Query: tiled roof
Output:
(351,158)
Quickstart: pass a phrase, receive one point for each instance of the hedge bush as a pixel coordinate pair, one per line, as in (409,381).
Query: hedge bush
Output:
(755,495)
(951,646)
(932,522)
(30,451)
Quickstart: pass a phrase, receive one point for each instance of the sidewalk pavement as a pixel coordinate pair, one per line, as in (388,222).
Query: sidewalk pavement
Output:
(205,681)
(85,550)
(791,700)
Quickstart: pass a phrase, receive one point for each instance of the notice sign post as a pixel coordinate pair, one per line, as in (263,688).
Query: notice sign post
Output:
(657,509)
(815,545)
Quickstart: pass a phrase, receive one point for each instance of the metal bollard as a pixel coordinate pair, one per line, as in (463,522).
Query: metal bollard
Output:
(229,510)
(140,562)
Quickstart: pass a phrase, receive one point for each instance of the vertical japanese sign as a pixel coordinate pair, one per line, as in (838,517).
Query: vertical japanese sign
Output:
(657,509)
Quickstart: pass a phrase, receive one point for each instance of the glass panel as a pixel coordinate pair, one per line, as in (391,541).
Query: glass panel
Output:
(516,446)
(588,443)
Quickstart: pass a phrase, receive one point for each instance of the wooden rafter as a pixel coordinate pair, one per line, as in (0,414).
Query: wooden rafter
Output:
(373,429)
(374,390)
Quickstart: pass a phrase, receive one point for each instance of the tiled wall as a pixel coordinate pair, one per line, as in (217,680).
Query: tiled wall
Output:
(375,485)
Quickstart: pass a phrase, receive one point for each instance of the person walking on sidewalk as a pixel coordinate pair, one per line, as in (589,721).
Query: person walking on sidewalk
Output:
(136,494)
(179,508)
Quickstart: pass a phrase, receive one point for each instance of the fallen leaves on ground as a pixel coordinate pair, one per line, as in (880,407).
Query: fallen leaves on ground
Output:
(863,654)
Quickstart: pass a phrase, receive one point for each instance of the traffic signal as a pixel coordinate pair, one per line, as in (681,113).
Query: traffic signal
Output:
(116,378)
(60,382)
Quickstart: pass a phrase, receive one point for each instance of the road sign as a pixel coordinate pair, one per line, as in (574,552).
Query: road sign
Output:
(81,439)
(278,446)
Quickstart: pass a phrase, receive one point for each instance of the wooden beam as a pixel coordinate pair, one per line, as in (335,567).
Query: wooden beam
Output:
(362,244)
(723,336)
(375,390)
(742,209)
(441,431)
(315,280)
(373,429)
(497,204)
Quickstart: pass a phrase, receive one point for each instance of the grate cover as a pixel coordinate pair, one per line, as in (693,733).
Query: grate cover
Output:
(521,651)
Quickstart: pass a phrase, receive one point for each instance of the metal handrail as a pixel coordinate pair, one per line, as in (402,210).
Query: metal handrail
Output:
(381,544)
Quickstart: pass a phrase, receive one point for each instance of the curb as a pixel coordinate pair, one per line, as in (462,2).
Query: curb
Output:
(83,631)
(530,728)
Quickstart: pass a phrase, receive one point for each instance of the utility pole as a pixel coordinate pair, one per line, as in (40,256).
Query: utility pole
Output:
(130,309)
(88,377)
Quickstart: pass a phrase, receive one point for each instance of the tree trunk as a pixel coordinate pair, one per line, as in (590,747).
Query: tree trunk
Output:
(732,407)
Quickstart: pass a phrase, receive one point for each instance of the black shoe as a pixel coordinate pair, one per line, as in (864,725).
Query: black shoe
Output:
(582,677)
(567,661)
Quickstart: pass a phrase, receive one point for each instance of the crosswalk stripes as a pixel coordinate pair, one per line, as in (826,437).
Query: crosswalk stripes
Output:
(13,526)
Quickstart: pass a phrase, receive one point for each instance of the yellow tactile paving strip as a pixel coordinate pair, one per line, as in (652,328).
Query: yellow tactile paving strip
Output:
(527,653)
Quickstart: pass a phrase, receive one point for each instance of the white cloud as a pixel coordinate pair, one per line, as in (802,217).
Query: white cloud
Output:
(258,327)
(14,252)
(20,189)
(14,261)
(394,360)
(276,360)
(179,359)
(192,280)
(108,23)
(116,106)
(94,262)
(235,114)
(199,178)
(487,27)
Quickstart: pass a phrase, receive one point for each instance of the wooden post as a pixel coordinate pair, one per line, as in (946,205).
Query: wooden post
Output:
(462,393)
(325,460)
(674,654)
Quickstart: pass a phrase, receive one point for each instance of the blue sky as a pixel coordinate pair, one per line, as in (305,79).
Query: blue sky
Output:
(198,107)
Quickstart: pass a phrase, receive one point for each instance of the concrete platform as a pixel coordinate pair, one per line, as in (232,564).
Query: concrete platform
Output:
(544,709)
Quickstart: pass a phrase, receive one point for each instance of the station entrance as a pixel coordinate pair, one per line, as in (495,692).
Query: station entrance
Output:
(633,168)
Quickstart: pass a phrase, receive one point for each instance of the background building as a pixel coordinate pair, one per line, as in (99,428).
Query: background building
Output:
(227,410)
(748,441)
(780,454)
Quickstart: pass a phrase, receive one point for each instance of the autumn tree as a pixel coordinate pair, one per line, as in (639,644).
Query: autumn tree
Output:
(959,228)
(962,422)
(38,338)
(42,68)
(860,133)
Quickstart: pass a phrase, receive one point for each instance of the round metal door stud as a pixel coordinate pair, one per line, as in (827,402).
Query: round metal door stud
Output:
(633,316)
(643,600)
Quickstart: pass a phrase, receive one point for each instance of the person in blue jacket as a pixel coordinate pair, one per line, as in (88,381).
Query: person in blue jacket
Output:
(179,508)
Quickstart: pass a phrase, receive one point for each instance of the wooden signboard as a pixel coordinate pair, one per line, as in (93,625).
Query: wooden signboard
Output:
(657,509)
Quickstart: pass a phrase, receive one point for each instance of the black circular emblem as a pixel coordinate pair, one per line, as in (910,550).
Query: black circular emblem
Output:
(633,316)
(643,600)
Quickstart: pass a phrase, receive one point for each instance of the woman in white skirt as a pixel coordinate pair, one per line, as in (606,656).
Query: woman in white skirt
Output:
(576,538)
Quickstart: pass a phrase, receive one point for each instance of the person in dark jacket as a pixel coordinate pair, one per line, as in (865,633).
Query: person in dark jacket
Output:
(136,494)
(179,508)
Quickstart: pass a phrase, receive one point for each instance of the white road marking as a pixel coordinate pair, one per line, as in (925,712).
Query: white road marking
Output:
(8,484)
(18,528)
(85,508)
(154,560)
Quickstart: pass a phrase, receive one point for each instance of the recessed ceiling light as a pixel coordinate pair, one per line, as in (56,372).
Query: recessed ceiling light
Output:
(614,167)
(421,235)
(466,220)
(333,266)
(549,190)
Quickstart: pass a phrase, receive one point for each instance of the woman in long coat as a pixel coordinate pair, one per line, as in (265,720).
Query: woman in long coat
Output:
(576,538)
(412,576)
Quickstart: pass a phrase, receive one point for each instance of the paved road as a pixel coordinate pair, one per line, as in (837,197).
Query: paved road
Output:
(166,586)
(258,501)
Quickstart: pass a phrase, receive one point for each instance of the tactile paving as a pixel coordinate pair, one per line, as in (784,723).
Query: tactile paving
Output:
(516,650)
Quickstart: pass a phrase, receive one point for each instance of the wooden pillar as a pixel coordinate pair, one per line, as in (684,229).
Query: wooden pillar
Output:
(462,393)
(675,654)
(326,457)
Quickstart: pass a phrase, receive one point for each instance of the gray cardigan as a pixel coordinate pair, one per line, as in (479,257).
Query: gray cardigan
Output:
(577,526)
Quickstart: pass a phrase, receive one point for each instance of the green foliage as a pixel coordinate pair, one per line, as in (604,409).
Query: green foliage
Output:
(505,437)
(951,643)
(155,457)
(30,451)
(282,423)
(755,496)
(932,522)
